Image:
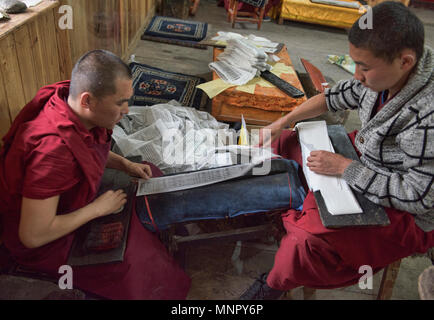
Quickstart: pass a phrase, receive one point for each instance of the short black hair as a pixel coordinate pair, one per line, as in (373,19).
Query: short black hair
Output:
(394,28)
(96,72)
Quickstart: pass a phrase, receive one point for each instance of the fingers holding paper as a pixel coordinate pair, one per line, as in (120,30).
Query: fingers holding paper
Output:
(270,133)
(327,163)
(139,170)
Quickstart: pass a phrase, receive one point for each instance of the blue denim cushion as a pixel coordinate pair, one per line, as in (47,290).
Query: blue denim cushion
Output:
(281,189)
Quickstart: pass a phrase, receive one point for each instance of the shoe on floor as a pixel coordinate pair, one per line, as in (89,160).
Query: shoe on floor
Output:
(266,19)
(259,290)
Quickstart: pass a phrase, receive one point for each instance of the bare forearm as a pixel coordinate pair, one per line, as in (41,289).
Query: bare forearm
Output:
(116,161)
(313,107)
(58,227)
(39,223)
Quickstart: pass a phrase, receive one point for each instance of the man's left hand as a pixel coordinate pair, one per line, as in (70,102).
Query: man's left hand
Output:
(138,170)
(328,163)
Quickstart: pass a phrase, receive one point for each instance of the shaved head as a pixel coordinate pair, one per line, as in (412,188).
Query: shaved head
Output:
(96,72)
(395,28)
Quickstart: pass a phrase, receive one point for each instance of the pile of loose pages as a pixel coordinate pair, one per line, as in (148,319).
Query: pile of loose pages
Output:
(243,59)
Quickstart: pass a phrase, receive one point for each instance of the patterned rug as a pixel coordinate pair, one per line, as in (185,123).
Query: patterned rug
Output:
(153,86)
(176,31)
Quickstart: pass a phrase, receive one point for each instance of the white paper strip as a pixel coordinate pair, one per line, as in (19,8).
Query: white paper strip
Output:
(338,197)
(191,180)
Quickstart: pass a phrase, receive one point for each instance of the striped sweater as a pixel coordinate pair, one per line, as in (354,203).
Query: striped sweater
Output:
(396,168)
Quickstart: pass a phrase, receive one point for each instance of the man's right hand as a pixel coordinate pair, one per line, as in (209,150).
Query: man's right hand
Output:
(109,202)
(270,133)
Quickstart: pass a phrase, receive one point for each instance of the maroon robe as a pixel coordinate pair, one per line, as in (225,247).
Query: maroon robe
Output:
(49,152)
(313,256)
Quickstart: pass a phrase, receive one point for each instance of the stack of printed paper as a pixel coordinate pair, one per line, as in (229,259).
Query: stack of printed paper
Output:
(240,62)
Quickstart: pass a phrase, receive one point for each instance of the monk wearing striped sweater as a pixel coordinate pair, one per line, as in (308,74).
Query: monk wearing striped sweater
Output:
(393,91)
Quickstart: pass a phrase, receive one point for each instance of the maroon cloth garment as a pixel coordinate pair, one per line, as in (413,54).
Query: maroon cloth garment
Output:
(48,152)
(314,256)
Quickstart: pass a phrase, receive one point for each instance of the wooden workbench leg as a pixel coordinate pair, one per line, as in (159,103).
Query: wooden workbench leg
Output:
(308,293)
(234,13)
(390,273)
(193,8)
(261,17)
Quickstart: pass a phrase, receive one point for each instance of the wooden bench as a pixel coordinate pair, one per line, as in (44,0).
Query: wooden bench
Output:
(256,16)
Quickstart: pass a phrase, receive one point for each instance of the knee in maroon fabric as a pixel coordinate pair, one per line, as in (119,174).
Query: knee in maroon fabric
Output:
(303,260)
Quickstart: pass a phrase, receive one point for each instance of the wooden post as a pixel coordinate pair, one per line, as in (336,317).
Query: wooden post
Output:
(175,8)
(308,293)
(390,274)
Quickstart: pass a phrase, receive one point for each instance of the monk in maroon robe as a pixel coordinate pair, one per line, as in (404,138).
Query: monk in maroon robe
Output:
(51,167)
(392,91)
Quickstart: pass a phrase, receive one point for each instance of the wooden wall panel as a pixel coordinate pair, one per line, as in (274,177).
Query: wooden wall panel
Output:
(64,51)
(47,25)
(27,68)
(124,21)
(10,70)
(35,52)
(38,54)
(107,24)
(5,118)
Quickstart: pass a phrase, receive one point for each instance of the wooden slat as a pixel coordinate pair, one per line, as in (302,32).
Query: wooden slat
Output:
(80,43)
(127,16)
(27,68)
(48,25)
(124,17)
(5,118)
(390,273)
(38,54)
(63,51)
(10,70)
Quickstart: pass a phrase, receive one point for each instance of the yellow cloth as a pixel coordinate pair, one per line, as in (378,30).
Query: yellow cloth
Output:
(213,88)
(307,11)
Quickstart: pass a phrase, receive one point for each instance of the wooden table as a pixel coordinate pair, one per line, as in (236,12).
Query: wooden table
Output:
(261,108)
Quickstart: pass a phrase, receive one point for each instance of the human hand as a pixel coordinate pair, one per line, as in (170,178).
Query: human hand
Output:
(109,202)
(270,133)
(328,163)
(139,170)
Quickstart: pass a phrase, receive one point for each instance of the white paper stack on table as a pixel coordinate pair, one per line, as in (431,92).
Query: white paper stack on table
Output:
(337,195)
(267,45)
(240,62)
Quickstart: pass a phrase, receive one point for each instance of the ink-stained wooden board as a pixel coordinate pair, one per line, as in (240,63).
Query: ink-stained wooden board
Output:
(373,214)
(79,254)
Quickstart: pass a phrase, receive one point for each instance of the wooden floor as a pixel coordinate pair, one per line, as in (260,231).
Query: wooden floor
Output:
(224,271)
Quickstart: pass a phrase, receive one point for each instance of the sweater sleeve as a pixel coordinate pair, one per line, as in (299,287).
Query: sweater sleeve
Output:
(344,95)
(411,191)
